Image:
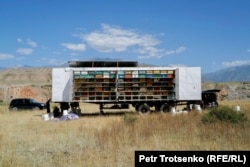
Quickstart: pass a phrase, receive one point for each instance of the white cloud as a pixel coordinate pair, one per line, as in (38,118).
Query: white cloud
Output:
(176,51)
(31,43)
(177,65)
(52,61)
(170,52)
(180,49)
(73,54)
(116,39)
(56,53)
(236,63)
(75,47)
(248,50)
(24,51)
(154,52)
(6,56)
(28,42)
(19,40)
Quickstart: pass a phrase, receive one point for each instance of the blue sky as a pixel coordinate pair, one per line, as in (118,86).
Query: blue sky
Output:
(211,34)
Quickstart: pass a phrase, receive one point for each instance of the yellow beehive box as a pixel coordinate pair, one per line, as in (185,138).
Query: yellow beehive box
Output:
(98,76)
(149,72)
(128,72)
(163,71)
(156,71)
(98,89)
(105,75)
(170,72)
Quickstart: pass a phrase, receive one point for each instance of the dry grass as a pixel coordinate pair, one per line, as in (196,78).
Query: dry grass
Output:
(95,140)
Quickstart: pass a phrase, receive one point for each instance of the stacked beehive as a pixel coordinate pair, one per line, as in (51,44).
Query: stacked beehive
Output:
(123,85)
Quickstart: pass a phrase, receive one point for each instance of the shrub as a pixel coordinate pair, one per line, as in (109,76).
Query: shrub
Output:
(129,118)
(224,114)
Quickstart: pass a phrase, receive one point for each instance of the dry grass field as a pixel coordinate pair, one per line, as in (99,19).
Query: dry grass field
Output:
(111,139)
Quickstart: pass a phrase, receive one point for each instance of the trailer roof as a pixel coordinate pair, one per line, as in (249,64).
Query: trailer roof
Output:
(103,63)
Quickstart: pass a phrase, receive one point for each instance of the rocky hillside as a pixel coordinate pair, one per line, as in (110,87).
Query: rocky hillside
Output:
(230,90)
(25,82)
(36,76)
(36,83)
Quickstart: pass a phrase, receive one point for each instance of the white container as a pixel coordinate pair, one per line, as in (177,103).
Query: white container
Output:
(197,107)
(51,115)
(45,117)
(173,109)
(65,112)
(191,106)
(237,108)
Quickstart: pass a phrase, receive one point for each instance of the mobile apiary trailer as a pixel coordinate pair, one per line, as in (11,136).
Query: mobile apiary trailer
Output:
(126,83)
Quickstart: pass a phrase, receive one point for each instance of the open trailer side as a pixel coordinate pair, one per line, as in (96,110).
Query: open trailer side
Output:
(141,87)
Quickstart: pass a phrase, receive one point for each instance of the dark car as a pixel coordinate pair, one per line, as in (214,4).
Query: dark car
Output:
(26,104)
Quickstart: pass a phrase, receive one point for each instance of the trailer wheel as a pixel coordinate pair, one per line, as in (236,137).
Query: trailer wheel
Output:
(165,108)
(143,108)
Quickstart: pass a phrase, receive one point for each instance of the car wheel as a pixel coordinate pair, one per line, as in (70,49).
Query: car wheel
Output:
(14,109)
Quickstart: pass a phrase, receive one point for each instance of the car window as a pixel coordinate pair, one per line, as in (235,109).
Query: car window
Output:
(33,101)
(28,101)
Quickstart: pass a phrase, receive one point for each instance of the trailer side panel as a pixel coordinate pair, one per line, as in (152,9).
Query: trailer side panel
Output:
(61,85)
(188,83)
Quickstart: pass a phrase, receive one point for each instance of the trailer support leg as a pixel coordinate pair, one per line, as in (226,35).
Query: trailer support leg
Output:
(101,109)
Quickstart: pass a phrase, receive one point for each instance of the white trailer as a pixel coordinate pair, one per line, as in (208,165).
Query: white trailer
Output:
(142,87)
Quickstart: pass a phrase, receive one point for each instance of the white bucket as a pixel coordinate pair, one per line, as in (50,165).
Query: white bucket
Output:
(197,107)
(65,112)
(191,106)
(51,115)
(173,109)
(237,108)
(46,117)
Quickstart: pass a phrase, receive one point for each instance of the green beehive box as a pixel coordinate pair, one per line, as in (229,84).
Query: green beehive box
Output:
(142,72)
(157,75)
(84,76)
(142,75)
(112,75)
(99,72)
(91,76)
(91,72)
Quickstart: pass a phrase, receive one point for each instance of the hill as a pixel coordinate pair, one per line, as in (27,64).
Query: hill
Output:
(25,82)
(232,74)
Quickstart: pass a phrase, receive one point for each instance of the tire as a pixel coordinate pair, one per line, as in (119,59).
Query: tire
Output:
(165,108)
(14,109)
(143,108)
